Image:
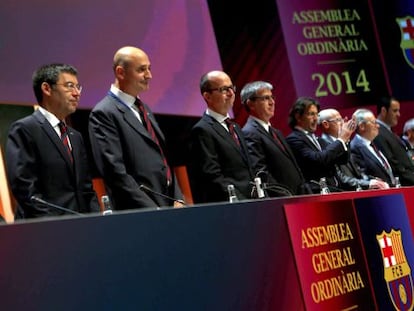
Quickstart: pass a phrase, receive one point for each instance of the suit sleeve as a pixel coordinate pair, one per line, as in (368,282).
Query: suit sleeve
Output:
(21,165)
(333,153)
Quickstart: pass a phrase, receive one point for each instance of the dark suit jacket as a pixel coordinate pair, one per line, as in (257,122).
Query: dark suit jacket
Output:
(267,155)
(216,161)
(315,163)
(395,152)
(38,165)
(368,163)
(349,174)
(127,157)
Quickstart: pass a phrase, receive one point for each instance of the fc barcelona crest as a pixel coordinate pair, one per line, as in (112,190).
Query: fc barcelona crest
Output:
(407,38)
(397,272)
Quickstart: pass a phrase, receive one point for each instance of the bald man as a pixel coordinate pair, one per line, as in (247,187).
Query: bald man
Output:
(127,143)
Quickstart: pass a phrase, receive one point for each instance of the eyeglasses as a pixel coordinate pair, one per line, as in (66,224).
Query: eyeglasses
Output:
(71,86)
(311,114)
(337,120)
(266,97)
(224,89)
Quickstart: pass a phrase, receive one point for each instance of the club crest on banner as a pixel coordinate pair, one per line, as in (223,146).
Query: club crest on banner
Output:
(397,272)
(407,38)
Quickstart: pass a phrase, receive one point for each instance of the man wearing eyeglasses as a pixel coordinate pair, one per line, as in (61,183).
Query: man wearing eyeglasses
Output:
(388,113)
(365,152)
(271,155)
(315,158)
(46,159)
(349,174)
(218,151)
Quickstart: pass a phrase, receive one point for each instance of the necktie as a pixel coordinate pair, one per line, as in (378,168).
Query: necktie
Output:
(147,124)
(230,126)
(314,141)
(380,156)
(65,139)
(276,138)
(384,162)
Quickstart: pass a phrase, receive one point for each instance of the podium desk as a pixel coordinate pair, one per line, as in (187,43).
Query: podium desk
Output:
(270,254)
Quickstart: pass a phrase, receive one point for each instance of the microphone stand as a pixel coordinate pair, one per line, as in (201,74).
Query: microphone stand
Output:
(37,200)
(147,189)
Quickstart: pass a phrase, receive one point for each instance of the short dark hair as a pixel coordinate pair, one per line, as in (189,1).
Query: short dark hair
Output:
(385,102)
(50,74)
(299,108)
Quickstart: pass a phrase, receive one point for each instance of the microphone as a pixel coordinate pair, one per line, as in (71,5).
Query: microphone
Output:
(335,189)
(259,188)
(35,199)
(145,188)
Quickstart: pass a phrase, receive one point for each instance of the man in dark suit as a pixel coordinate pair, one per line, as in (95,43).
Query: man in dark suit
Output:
(45,158)
(388,113)
(316,158)
(268,149)
(349,174)
(218,152)
(408,138)
(127,143)
(365,153)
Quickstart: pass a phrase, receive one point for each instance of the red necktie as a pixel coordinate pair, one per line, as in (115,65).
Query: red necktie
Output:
(65,139)
(147,124)
(276,138)
(230,126)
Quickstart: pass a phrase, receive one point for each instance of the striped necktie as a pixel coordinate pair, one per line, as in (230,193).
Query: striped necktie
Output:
(147,124)
(230,126)
(65,139)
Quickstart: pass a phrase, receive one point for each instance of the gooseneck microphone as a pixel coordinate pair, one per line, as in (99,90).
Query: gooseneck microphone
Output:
(38,200)
(145,188)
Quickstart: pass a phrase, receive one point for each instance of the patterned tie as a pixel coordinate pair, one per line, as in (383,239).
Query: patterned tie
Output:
(381,156)
(230,126)
(276,138)
(147,124)
(314,141)
(65,139)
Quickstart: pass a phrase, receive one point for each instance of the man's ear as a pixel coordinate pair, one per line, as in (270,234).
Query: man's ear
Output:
(46,88)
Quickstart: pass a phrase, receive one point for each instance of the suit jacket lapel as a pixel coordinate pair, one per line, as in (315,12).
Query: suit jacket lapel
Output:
(55,139)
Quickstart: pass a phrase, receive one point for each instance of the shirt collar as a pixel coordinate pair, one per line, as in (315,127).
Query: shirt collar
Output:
(50,117)
(217,116)
(261,122)
(127,99)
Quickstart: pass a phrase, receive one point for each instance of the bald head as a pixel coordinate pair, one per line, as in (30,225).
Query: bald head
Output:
(132,69)
(327,114)
(124,56)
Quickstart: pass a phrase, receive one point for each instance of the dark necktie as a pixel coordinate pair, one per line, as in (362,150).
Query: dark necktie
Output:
(147,124)
(65,139)
(276,138)
(380,155)
(230,126)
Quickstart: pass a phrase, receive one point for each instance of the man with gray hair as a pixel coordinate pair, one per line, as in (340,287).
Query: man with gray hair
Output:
(269,151)
(365,152)
(349,174)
